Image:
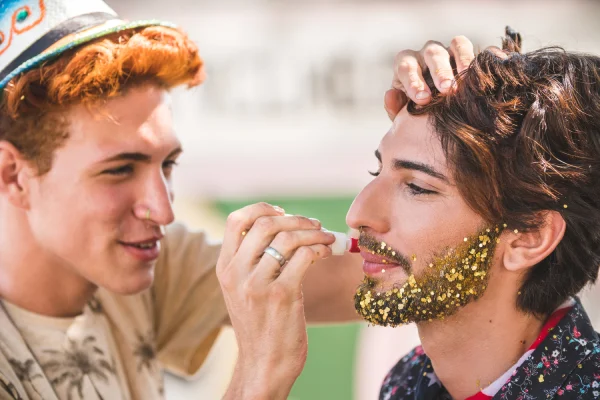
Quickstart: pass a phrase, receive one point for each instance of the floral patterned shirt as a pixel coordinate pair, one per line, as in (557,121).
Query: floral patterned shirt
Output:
(563,363)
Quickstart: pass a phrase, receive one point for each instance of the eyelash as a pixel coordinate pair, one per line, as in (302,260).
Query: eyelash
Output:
(418,190)
(124,170)
(413,189)
(128,169)
(376,173)
(170,164)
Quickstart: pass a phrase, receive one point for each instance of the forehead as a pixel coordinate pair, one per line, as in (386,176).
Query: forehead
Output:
(139,120)
(412,138)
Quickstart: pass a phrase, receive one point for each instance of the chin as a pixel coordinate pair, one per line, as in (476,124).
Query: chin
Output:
(132,284)
(384,282)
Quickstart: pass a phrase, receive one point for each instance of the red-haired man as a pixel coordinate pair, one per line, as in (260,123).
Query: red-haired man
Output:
(96,295)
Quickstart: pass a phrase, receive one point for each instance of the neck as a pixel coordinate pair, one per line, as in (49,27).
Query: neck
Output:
(33,278)
(474,347)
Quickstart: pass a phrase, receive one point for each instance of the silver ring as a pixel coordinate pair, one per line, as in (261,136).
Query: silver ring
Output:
(276,255)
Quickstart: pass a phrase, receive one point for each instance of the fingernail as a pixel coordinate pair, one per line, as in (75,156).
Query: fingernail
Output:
(279,209)
(446,84)
(315,221)
(422,95)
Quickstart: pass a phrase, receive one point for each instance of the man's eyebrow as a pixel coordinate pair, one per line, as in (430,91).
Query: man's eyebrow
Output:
(175,152)
(137,156)
(378,155)
(128,157)
(415,166)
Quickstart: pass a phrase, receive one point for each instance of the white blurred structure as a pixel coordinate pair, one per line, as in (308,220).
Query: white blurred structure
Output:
(293,105)
(293,102)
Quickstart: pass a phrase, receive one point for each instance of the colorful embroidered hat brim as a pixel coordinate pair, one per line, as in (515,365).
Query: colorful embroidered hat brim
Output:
(35,31)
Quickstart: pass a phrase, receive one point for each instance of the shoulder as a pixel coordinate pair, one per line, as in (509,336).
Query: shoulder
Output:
(415,358)
(182,245)
(402,378)
(584,380)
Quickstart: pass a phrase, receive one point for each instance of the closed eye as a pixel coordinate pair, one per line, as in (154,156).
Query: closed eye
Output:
(418,190)
(123,170)
(169,164)
(167,167)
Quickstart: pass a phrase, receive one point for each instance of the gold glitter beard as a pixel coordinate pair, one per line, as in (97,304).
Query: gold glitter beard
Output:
(448,283)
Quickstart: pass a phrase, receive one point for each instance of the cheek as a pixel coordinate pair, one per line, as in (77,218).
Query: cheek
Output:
(111,203)
(425,227)
(107,211)
(83,228)
(90,212)
(98,203)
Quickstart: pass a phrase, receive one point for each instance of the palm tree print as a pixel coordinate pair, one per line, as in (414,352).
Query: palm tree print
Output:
(25,371)
(74,364)
(145,351)
(95,305)
(9,387)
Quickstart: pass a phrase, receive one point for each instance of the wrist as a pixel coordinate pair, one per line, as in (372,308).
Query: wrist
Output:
(272,381)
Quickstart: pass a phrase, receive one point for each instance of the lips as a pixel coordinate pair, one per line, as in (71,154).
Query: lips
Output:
(373,264)
(375,258)
(144,250)
(146,244)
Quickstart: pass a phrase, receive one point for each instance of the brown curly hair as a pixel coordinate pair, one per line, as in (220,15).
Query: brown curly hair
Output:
(522,136)
(33,105)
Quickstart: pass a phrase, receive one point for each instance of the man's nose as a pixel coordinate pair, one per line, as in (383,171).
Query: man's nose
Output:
(371,208)
(157,203)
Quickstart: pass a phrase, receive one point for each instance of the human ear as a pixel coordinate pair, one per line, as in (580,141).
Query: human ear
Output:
(523,250)
(15,174)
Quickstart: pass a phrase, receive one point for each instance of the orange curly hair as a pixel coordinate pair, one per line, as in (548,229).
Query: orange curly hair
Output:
(33,105)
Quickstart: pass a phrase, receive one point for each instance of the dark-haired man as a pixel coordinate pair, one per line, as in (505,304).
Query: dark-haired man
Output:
(481,225)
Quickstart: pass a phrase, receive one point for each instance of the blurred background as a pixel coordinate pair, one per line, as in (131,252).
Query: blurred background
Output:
(291,113)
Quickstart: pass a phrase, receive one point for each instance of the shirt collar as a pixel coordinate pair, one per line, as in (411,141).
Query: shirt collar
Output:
(564,342)
(562,351)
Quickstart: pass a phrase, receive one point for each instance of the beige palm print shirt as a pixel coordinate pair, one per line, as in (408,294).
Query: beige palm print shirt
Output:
(118,347)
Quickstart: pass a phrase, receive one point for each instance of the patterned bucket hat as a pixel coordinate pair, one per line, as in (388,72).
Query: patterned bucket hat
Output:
(35,31)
